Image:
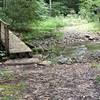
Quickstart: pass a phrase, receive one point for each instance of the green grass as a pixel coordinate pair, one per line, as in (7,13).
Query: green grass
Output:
(9,90)
(95,65)
(52,23)
(98,78)
(93,26)
(48,27)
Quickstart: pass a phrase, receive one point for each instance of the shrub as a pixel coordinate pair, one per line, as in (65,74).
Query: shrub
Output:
(20,13)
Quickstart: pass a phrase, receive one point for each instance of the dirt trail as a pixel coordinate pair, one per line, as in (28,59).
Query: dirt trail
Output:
(78,30)
(59,82)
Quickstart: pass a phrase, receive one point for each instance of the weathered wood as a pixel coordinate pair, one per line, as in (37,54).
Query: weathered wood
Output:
(7,39)
(16,45)
(0,29)
(13,45)
(4,35)
(4,22)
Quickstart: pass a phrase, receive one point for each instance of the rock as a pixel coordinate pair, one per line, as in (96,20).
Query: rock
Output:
(46,63)
(89,37)
(22,61)
(64,60)
(81,54)
(96,55)
(1,89)
(28,97)
(39,56)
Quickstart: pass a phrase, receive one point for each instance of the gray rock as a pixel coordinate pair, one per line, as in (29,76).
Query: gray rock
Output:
(64,60)
(96,55)
(81,54)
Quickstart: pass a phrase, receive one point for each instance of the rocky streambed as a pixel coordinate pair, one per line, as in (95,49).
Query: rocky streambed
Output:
(74,47)
(79,53)
(61,53)
(64,71)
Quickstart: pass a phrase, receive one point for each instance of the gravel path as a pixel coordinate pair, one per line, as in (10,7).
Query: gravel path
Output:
(59,82)
(77,34)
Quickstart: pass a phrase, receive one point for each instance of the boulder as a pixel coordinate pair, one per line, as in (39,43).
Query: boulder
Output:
(81,54)
(64,60)
(45,63)
(96,55)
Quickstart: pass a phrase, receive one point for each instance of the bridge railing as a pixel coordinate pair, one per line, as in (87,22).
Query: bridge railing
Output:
(4,35)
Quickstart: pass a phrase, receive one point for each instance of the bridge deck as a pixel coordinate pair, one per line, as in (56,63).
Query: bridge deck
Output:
(13,45)
(16,45)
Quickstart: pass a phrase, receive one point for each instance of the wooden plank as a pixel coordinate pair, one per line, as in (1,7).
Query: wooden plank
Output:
(12,43)
(0,30)
(7,39)
(16,45)
(4,35)
(4,22)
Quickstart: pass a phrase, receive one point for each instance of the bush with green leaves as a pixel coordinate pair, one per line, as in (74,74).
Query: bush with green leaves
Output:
(63,7)
(20,13)
(87,8)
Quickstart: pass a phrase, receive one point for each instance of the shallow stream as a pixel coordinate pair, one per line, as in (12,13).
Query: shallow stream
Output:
(74,49)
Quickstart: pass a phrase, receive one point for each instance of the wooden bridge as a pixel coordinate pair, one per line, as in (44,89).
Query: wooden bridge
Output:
(13,45)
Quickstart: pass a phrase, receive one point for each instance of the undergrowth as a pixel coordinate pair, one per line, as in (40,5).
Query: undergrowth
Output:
(48,27)
(10,88)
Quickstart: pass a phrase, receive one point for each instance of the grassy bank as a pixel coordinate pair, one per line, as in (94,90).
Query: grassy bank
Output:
(47,28)
(10,86)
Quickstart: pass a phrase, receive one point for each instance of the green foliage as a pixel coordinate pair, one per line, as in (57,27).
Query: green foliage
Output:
(95,65)
(98,78)
(63,7)
(58,8)
(10,91)
(87,8)
(46,28)
(20,13)
(50,26)
(42,9)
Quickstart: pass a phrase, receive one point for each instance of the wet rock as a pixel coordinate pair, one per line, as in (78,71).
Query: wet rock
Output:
(45,63)
(81,54)
(96,55)
(64,60)
(39,56)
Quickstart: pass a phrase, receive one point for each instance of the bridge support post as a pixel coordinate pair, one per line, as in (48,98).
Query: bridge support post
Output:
(4,35)
(0,30)
(7,39)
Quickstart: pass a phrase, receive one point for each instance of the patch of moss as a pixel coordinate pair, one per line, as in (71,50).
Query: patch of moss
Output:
(95,65)
(98,78)
(5,74)
(9,91)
